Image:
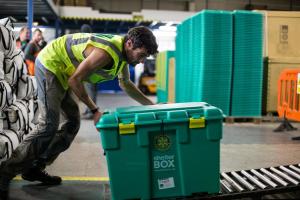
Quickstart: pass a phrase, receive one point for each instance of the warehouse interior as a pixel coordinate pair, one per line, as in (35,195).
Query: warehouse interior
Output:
(225,85)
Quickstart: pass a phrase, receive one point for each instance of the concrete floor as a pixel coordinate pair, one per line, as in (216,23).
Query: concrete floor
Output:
(244,146)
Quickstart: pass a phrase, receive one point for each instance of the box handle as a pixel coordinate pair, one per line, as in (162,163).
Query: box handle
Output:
(197,123)
(125,129)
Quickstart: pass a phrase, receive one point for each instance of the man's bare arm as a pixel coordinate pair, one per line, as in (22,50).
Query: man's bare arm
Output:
(97,57)
(128,86)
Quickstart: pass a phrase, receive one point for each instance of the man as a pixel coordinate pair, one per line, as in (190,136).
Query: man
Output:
(22,40)
(61,67)
(32,50)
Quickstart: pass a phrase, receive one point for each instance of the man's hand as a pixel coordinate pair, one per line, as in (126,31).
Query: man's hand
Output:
(97,117)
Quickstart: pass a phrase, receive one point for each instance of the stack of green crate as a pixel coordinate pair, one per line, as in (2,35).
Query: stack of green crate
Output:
(178,58)
(189,51)
(162,151)
(183,84)
(212,66)
(185,58)
(183,62)
(195,55)
(162,75)
(247,64)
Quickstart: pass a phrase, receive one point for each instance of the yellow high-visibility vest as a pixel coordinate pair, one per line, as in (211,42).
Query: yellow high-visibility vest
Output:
(63,55)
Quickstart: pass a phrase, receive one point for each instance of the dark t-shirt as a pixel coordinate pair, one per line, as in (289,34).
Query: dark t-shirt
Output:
(31,51)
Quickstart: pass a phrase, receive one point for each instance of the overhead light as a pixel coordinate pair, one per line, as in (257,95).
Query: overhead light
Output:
(167,28)
(35,23)
(153,23)
(169,23)
(138,23)
(13,19)
(45,20)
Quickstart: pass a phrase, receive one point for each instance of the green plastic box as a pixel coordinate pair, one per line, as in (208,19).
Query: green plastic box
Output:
(162,75)
(160,151)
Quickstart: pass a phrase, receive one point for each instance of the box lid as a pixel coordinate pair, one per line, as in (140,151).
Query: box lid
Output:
(155,114)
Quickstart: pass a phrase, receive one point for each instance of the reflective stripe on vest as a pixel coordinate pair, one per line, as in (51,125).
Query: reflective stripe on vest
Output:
(70,42)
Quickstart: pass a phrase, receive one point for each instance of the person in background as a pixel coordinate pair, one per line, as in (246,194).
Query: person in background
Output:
(22,40)
(91,88)
(61,68)
(42,43)
(32,50)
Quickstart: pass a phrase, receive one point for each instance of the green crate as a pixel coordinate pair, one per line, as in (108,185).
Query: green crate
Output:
(162,75)
(160,151)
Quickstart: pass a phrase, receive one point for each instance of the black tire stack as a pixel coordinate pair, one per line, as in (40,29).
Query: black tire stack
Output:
(19,106)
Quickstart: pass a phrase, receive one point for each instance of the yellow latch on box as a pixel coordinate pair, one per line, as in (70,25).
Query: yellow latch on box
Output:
(197,123)
(126,128)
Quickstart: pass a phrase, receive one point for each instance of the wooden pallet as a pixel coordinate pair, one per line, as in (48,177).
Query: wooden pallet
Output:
(273,119)
(231,120)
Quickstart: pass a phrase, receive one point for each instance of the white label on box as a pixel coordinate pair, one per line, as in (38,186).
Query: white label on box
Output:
(165,163)
(166,183)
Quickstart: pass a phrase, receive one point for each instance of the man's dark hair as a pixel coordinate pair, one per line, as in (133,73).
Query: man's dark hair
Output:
(86,28)
(142,37)
(37,30)
(23,29)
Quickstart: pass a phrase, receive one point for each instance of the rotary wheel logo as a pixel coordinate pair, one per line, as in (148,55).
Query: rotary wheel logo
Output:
(162,142)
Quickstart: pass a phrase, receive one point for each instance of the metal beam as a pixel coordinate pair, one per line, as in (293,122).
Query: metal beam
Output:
(30,16)
(52,7)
